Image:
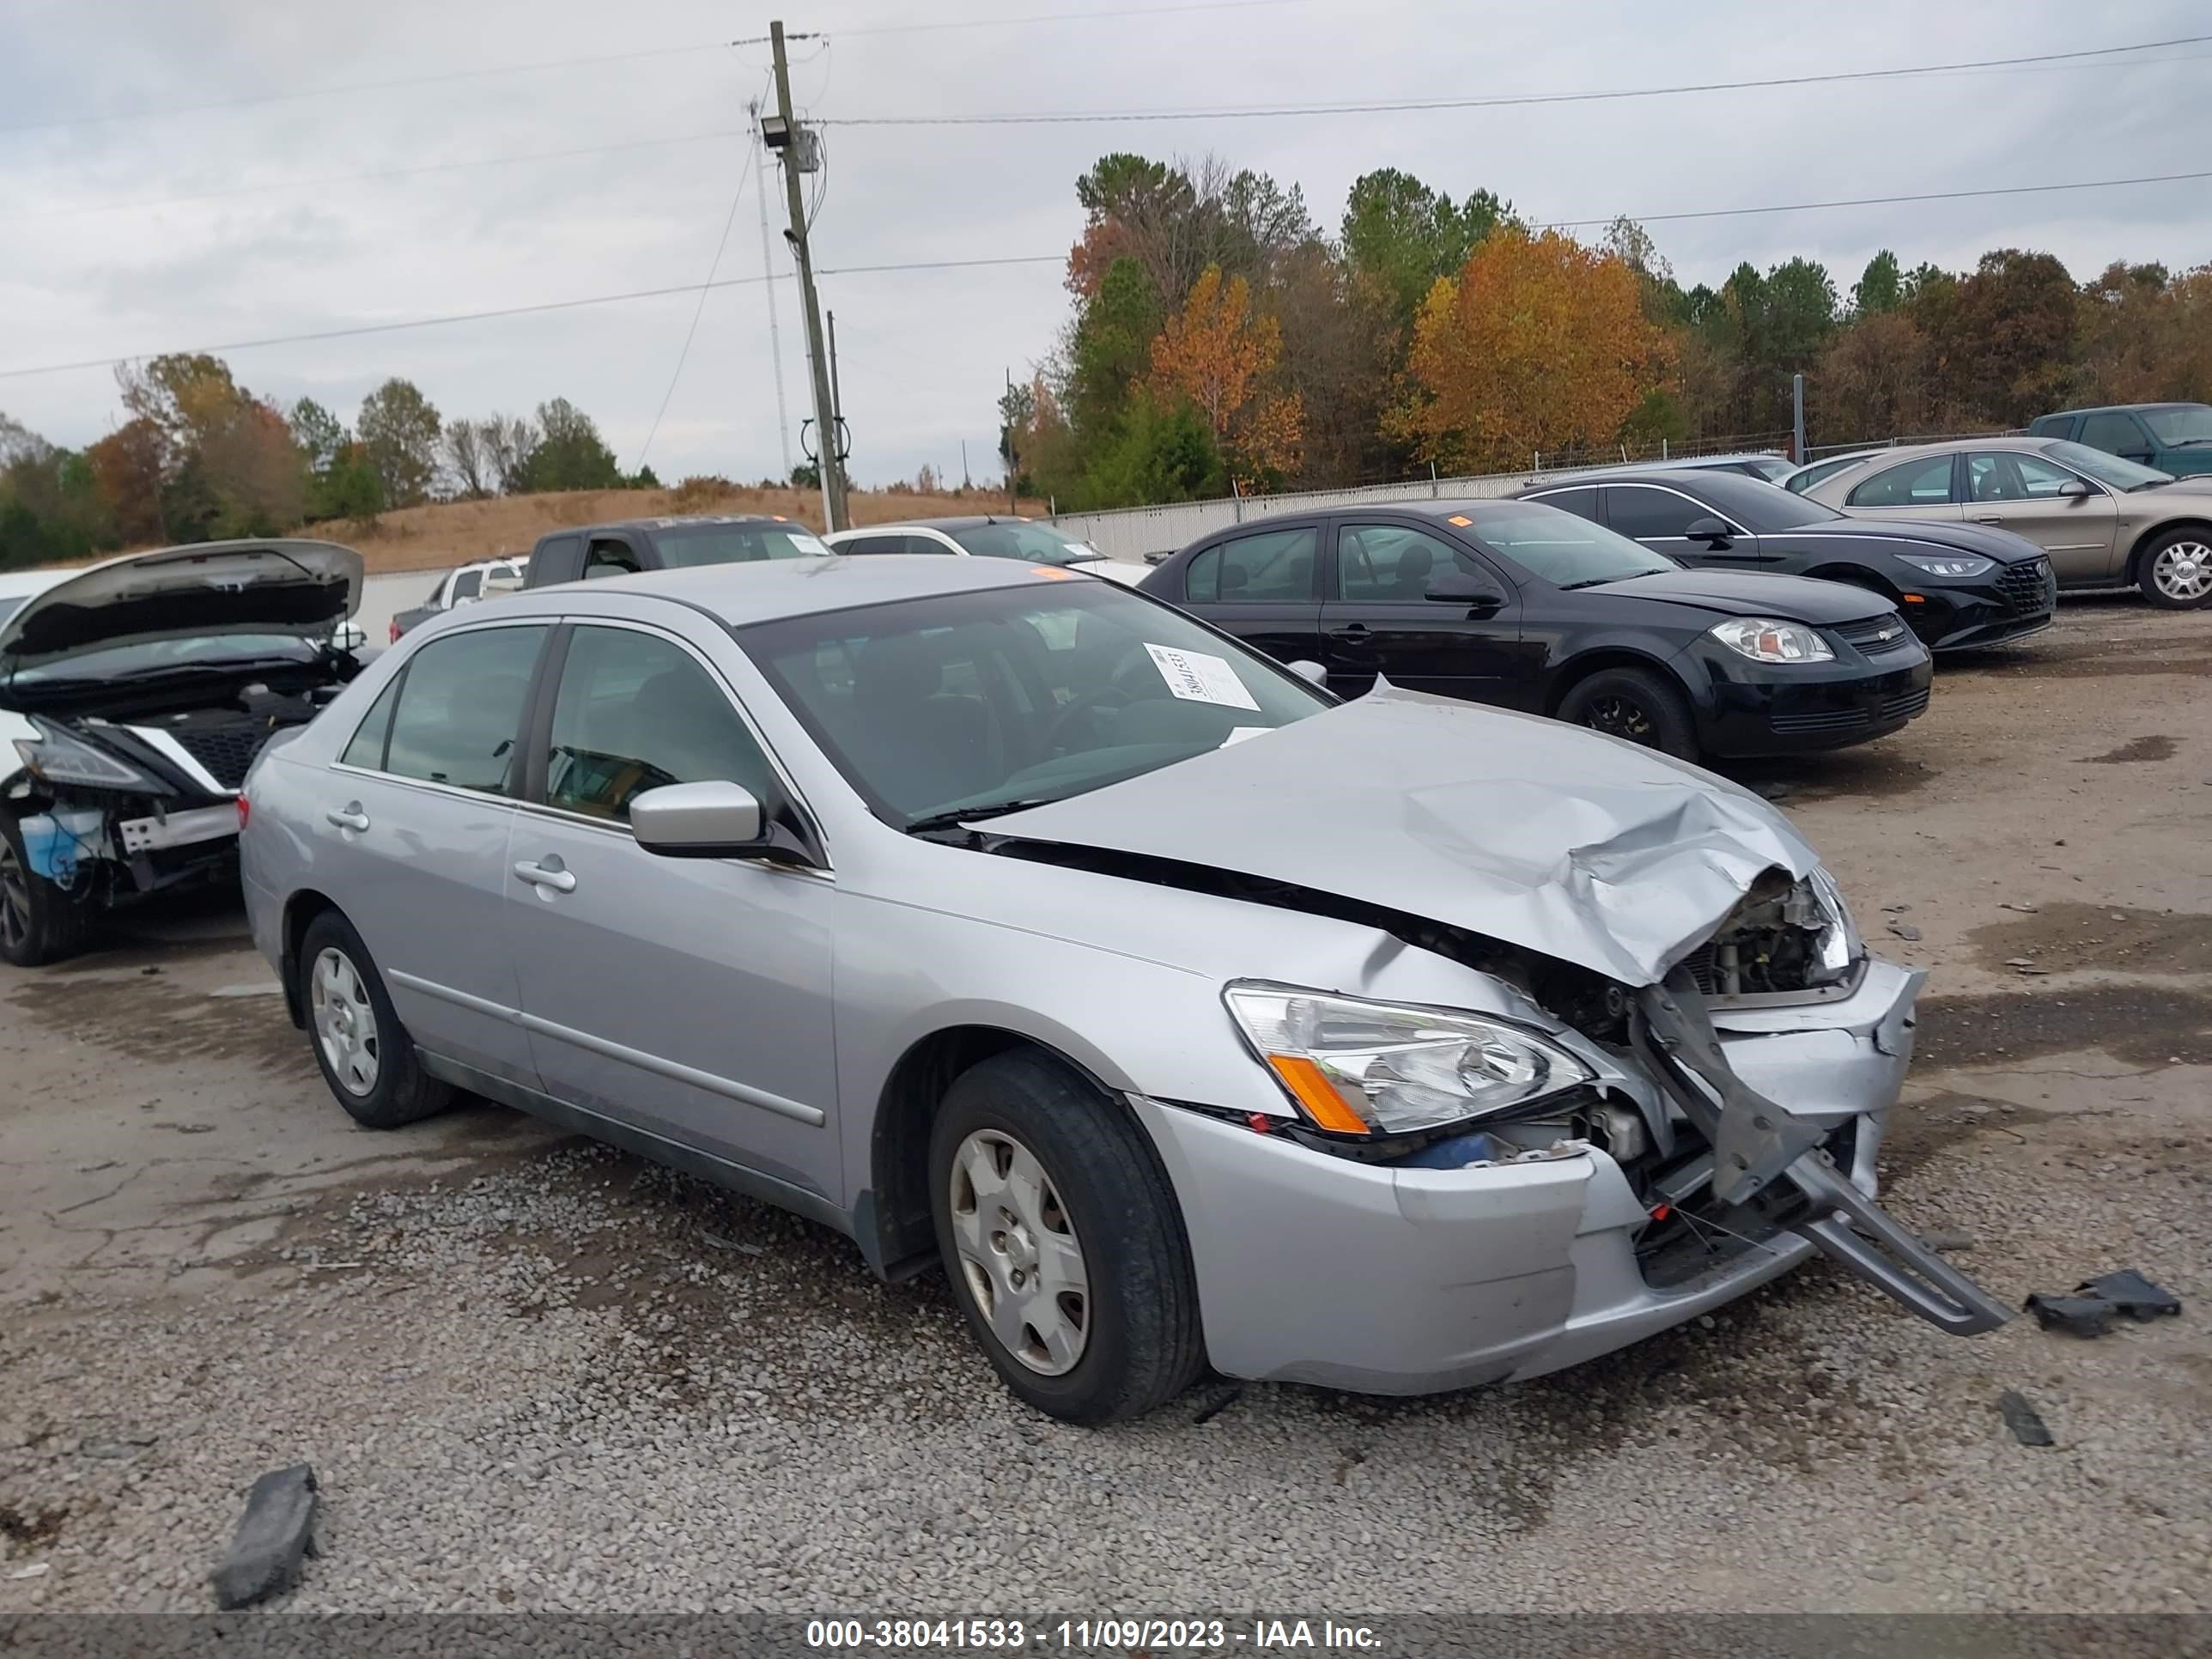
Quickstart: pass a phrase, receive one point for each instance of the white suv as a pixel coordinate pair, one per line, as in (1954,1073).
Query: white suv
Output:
(990,537)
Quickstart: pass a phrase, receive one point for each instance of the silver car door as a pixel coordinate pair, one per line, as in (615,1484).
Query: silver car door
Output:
(689,999)
(419,805)
(2027,494)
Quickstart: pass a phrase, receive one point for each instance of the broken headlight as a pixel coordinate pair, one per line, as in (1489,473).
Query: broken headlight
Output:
(1837,946)
(1359,1067)
(55,757)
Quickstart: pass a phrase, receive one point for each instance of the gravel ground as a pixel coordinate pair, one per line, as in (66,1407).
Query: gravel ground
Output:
(532,1373)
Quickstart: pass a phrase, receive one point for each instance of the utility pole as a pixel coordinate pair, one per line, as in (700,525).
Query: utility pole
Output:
(767,287)
(796,145)
(1797,419)
(836,445)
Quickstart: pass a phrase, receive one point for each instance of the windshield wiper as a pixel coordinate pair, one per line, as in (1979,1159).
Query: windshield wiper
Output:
(953,817)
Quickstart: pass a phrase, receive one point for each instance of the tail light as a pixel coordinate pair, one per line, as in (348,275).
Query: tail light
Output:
(394,639)
(245,812)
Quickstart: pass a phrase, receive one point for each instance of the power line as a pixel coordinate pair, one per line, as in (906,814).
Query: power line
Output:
(1883,201)
(327,181)
(713,270)
(347,89)
(1406,106)
(360,329)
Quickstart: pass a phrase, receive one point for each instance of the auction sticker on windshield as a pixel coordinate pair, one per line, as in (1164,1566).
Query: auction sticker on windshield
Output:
(1200,676)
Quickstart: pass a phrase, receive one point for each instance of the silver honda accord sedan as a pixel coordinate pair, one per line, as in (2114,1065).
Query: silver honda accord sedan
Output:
(1007,919)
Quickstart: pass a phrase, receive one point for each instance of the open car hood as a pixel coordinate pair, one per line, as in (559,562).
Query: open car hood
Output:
(298,587)
(1562,842)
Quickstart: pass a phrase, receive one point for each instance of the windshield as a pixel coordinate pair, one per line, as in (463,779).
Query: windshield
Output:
(2177,426)
(685,545)
(1563,549)
(160,656)
(1031,693)
(1037,543)
(2106,469)
(1773,468)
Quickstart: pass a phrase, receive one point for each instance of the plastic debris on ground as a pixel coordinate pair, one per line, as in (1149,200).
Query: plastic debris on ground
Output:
(2027,1425)
(2094,1303)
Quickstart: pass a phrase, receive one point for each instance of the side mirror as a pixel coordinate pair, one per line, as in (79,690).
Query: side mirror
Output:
(1709,530)
(1453,586)
(1311,672)
(502,581)
(2075,490)
(349,636)
(698,820)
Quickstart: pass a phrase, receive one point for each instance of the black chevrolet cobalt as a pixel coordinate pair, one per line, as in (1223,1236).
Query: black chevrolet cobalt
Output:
(1527,607)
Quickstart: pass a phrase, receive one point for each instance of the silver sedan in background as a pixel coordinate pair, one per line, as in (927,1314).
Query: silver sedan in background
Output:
(1006,919)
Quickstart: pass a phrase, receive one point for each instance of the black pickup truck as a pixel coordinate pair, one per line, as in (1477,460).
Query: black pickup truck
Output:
(590,551)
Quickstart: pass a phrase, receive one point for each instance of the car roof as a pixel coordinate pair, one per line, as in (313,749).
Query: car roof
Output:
(671,522)
(1673,464)
(769,590)
(2120,408)
(971,521)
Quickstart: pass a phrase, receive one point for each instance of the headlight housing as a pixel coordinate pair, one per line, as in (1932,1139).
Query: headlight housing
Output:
(1961,564)
(55,757)
(1378,1068)
(1838,946)
(1765,639)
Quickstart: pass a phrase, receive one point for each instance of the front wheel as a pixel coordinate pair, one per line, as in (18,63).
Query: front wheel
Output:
(1063,1242)
(38,922)
(1637,706)
(2176,573)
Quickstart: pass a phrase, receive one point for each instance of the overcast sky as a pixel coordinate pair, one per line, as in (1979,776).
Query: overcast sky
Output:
(88,270)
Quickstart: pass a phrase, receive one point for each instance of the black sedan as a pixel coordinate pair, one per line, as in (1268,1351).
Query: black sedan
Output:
(1515,604)
(1959,585)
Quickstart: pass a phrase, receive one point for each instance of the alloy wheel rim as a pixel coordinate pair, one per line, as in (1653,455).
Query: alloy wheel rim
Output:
(1617,716)
(2184,570)
(14,899)
(345,1021)
(1020,1254)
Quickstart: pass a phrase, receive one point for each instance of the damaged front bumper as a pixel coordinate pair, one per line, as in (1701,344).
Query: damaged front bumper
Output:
(1395,1279)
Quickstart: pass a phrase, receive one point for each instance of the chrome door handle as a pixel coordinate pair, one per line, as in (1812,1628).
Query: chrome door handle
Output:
(561,881)
(349,817)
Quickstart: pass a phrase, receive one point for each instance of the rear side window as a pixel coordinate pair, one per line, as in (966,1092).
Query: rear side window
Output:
(367,749)
(458,717)
(2051,426)
(1916,483)
(636,712)
(1583,504)
(1274,567)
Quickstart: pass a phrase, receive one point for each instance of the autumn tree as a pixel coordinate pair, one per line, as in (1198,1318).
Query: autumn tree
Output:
(1400,236)
(2012,335)
(126,470)
(1217,356)
(1872,382)
(466,452)
(1538,343)
(400,429)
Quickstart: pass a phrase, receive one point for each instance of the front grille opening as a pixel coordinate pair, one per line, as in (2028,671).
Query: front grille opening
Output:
(1700,1235)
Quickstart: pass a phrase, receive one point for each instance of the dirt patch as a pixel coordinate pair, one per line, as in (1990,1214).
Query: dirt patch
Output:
(151,1018)
(2142,749)
(2062,938)
(1872,773)
(2145,1026)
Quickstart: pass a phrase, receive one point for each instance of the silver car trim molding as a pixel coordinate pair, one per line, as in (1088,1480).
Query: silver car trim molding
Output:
(728,1088)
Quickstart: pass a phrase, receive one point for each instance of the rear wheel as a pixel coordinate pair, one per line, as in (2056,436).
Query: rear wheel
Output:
(2176,570)
(366,1055)
(1636,705)
(38,922)
(1063,1242)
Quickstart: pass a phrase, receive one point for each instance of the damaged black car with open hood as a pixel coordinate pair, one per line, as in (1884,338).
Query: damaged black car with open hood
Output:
(134,694)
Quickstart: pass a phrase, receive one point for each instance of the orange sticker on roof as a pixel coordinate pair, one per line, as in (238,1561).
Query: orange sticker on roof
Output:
(1051,572)
(1460,519)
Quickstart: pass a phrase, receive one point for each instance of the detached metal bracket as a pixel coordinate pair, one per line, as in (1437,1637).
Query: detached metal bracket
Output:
(1756,1142)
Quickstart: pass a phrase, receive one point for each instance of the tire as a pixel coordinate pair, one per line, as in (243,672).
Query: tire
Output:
(1132,1342)
(1636,706)
(2175,571)
(38,922)
(365,1053)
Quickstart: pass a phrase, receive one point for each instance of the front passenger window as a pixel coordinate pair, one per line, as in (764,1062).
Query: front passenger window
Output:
(636,712)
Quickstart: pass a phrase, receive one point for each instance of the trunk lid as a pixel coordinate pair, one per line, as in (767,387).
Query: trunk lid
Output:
(302,588)
(1558,840)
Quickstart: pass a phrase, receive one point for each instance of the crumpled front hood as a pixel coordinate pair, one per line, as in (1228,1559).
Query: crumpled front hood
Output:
(1541,835)
(299,587)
